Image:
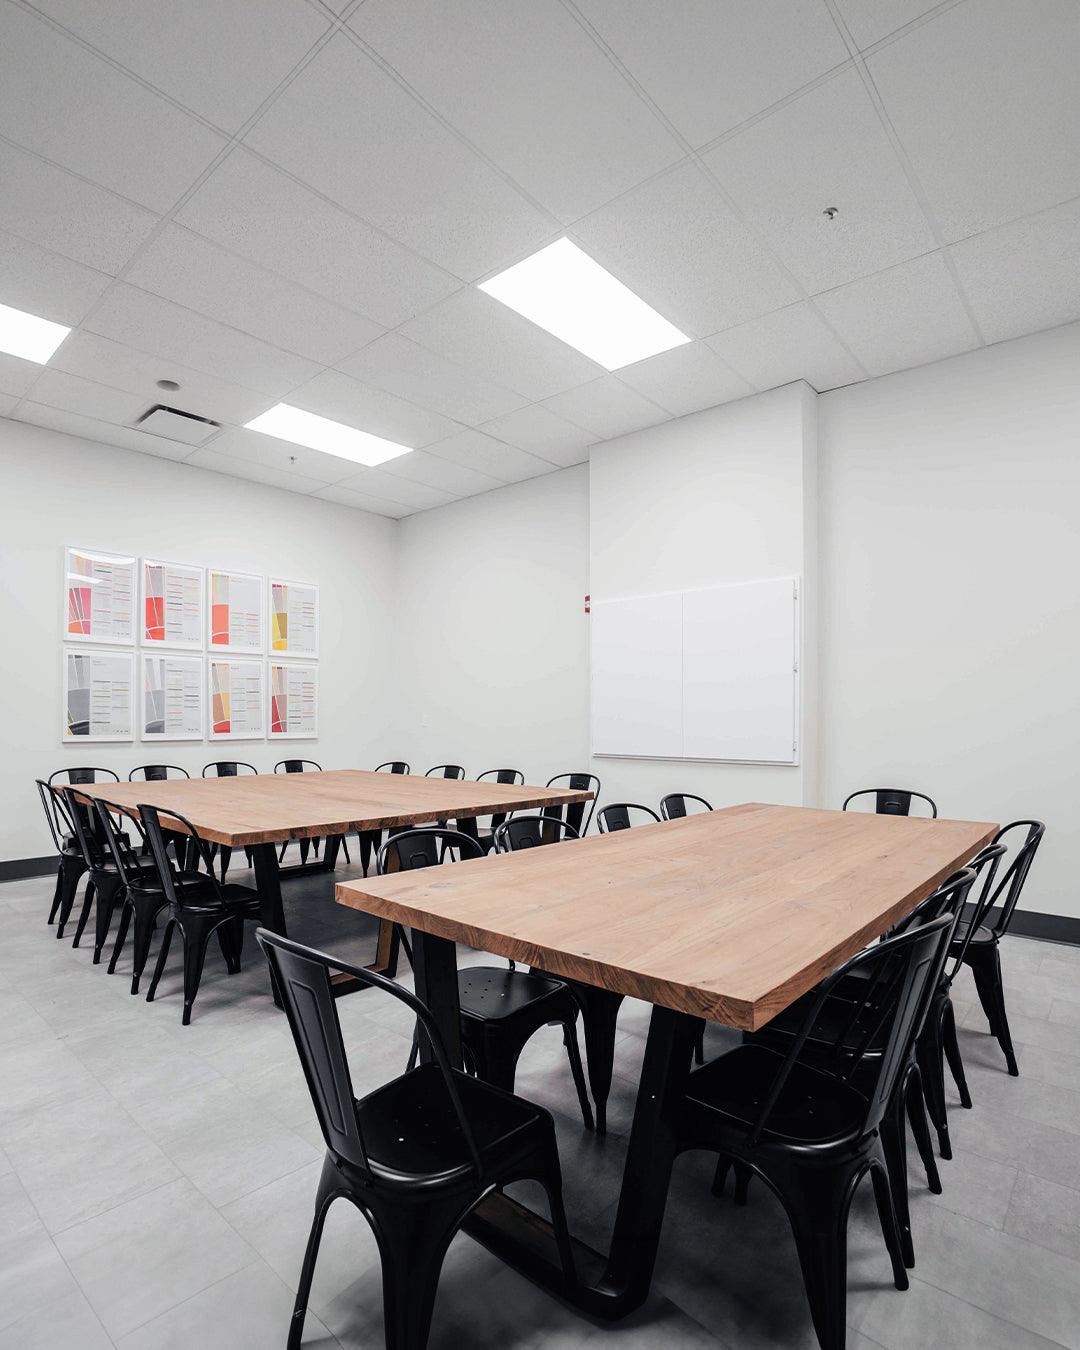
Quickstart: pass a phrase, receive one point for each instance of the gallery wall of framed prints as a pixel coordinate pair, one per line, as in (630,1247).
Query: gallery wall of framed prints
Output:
(159,650)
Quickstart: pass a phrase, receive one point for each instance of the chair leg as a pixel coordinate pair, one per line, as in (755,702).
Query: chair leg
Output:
(552,1184)
(818,1200)
(883,1194)
(987,971)
(145,921)
(84,913)
(719,1181)
(226,855)
(931,1059)
(58,892)
(107,896)
(573,1054)
(163,956)
(951,1046)
(329,1190)
(195,945)
(599,1017)
(894,1145)
(699,1045)
(412,1243)
(920,1129)
(121,935)
(231,941)
(73,872)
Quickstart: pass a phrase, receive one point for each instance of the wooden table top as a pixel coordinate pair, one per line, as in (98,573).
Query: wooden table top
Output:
(729,915)
(268,808)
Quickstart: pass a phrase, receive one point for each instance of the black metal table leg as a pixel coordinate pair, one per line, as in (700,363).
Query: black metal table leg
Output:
(435,968)
(264,858)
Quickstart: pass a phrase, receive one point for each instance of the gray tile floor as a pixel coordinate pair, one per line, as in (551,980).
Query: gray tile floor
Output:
(156,1180)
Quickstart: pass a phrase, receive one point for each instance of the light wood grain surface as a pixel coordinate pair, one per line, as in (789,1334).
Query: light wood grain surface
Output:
(268,808)
(729,915)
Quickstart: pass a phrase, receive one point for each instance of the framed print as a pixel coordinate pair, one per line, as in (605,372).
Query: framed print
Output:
(236,699)
(294,618)
(99,597)
(294,701)
(236,605)
(99,695)
(172,697)
(172,605)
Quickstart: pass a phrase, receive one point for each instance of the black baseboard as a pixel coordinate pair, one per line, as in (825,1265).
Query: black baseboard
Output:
(16,869)
(1029,923)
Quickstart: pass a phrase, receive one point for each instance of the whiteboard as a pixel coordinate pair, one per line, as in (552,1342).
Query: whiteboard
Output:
(703,674)
(637,676)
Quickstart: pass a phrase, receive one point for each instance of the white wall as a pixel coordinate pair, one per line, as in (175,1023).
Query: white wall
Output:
(950,637)
(492,663)
(59,490)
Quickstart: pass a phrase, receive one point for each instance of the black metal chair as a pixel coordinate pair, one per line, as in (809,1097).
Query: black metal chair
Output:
(978,940)
(674,805)
(104,883)
(157,773)
(415,1155)
(371,840)
(501,1010)
(445,771)
(228,768)
(306,845)
(197,912)
(70,868)
(617,817)
(578,815)
(892,801)
(393,766)
(85,774)
(509,777)
(807,1129)
(531,832)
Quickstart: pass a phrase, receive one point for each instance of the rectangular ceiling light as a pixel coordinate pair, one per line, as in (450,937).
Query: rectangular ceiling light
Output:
(563,291)
(320,433)
(29,337)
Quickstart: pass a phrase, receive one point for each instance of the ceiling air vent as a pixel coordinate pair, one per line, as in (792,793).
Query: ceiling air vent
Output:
(175,425)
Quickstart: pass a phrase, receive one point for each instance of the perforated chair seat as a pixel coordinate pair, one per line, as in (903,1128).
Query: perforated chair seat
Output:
(410,1129)
(492,993)
(813,1107)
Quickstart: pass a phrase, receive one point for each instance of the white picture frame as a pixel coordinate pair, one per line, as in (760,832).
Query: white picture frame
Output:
(236,702)
(292,609)
(173,697)
(235,612)
(292,701)
(178,592)
(98,597)
(98,695)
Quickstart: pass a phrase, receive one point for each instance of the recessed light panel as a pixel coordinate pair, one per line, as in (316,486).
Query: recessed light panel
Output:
(320,433)
(29,337)
(561,289)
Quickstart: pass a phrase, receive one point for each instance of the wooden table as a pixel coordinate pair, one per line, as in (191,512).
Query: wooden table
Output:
(729,915)
(262,811)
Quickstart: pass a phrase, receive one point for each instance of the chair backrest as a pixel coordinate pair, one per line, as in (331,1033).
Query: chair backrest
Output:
(122,854)
(159,851)
(297,766)
(303,978)
(578,815)
(876,1039)
(85,774)
(445,771)
(674,805)
(55,813)
(84,827)
(509,777)
(425,848)
(157,773)
(228,768)
(617,816)
(393,766)
(1008,889)
(982,870)
(531,832)
(892,801)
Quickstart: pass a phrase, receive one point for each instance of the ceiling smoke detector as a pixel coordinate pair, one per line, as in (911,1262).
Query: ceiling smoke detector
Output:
(170,385)
(175,425)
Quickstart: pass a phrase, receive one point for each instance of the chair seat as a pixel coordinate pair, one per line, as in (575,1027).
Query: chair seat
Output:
(980,937)
(199,896)
(410,1129)
(813,1107)
(492,993)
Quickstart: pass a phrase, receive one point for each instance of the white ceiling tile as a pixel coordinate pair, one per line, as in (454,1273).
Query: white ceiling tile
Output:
(394,488)
(16,375)
(790,344)
(46,284)
(543,433)
(107,433)
(60,100)
(607,408)
(209,457)
(1024,276)
(254,447)
(190,270)
(364,501)
(334,395)
(869,21)
(711,64)
(105,362)
(402,367)
(905,317)
(827,148)
(476,450)
(7,404)
(261,213)
(350,130)
(152,324)
(428,469)
(676,244)
(58,389)
(490,339)
(986,101)
(529,87)
(76,219)
(686,379)
(219,57)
